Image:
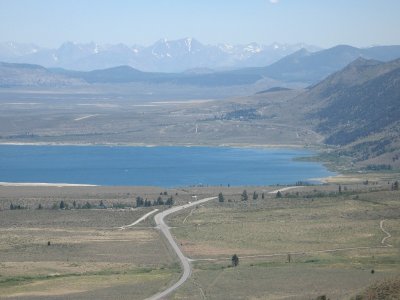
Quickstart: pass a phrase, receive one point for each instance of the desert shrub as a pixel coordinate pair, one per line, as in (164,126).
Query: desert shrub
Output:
(220,197)
(87,205)
(16,206)
(119,205)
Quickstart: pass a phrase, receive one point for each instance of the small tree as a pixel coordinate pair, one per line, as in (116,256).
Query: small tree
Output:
(395,186)
(255,195)
(62,204)
(87,205)
(244,196)
(235,260)
(139,201)
(221,197)
(160,201)
(170,201)
(279,194)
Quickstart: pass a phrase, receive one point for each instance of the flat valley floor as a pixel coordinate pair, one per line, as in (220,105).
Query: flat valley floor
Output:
(310,242)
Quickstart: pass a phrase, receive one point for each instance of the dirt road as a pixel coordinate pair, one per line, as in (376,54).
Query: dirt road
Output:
(142,218)
(187,268)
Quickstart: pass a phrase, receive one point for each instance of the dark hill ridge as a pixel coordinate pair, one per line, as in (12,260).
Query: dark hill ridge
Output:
(356,73)
(359,108)
(33,75)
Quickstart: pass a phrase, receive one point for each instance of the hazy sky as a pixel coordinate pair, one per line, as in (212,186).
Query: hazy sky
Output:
(320,22)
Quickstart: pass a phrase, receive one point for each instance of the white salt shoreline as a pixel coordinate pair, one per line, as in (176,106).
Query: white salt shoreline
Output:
(44,184)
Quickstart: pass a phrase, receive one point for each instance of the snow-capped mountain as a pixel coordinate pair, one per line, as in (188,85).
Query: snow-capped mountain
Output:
(12,49)
(163,56)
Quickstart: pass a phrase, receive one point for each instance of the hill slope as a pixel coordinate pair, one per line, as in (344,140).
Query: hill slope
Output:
(310,67)
(358,108)
(33,75)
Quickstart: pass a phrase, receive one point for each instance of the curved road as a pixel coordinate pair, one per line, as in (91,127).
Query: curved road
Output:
(388,235)
(187,269)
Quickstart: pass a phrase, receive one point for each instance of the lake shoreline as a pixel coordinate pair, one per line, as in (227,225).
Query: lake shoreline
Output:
(27,164)
(228,145)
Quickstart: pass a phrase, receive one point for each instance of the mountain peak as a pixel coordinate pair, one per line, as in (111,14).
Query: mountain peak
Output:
(361,62)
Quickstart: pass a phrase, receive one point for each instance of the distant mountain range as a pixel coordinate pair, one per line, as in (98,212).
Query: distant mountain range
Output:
(301,68)
(162,56)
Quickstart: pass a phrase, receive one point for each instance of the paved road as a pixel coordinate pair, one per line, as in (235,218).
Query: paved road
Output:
(187,268)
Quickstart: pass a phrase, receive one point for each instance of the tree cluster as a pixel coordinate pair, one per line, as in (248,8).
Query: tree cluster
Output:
(140,202)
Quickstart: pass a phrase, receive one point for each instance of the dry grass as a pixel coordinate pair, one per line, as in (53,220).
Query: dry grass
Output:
(290,225)
(82,259)
(89,258)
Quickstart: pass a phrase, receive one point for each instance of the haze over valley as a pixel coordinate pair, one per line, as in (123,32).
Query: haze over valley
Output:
(252,153)
(297,100)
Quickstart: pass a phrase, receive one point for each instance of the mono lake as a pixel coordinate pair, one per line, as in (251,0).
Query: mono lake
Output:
(155,166)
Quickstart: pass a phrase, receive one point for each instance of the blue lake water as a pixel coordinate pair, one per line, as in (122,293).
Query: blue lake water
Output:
(155,166)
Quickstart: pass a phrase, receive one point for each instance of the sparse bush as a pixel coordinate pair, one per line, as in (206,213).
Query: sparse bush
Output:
(15,206)
(119,205)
